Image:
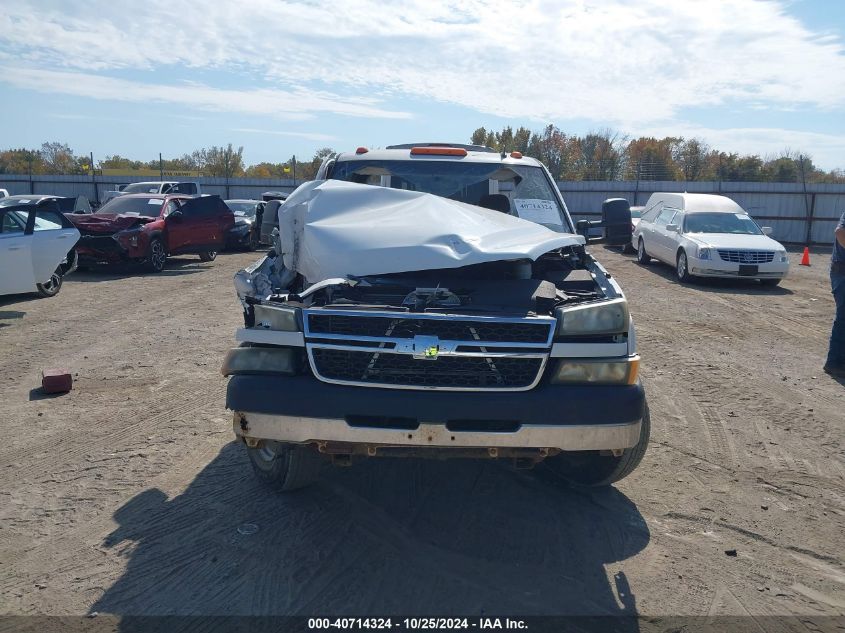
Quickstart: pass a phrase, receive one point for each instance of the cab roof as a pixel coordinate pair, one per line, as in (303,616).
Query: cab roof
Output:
(474,154)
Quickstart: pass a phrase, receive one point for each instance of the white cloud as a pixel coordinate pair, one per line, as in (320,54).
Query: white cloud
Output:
(311,136)
(611,61)
(295,104)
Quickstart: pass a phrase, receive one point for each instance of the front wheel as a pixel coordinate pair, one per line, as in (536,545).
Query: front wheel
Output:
(591,468)
(156,256)
(284,467)
(642,256)
(682,268)
(208,256)
(51,287)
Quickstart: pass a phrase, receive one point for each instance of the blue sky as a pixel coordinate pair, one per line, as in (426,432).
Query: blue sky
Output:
(286,78)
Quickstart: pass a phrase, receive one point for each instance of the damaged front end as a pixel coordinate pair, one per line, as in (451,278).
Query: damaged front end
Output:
(491,321)
(112,239)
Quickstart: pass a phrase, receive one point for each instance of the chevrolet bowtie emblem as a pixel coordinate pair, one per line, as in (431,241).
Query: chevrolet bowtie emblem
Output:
(426,347)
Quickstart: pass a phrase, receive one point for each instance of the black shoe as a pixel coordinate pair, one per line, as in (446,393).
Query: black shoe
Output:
(834,370)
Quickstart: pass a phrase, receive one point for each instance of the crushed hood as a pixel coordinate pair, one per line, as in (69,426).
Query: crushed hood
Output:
(333,228)
(106,222)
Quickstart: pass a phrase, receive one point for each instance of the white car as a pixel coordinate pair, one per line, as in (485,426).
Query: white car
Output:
(36,248)
(705,235)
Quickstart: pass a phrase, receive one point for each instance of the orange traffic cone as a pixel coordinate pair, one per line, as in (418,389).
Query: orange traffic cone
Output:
(805,258)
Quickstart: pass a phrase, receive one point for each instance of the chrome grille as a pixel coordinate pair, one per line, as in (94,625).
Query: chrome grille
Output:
(452,328)
(427,351)
(402,370)
(746,257)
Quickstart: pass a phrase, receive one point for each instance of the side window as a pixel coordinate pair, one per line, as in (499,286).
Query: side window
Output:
(679,220)
(651,214)
(170,208)
(665,217)
(48,220)
(13,222)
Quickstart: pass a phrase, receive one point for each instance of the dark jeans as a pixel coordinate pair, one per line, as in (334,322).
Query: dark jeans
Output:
(836,355)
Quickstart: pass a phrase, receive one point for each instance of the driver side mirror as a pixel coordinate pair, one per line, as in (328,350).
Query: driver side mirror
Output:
(615,220)
(673,228)
(176,216)
(767,230)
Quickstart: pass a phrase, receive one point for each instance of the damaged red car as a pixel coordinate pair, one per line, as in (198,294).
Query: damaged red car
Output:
(146,229)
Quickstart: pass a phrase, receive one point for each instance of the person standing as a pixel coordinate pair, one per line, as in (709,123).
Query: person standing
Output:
(835,365)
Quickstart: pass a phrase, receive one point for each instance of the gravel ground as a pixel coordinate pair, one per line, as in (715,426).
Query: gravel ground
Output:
(129,496)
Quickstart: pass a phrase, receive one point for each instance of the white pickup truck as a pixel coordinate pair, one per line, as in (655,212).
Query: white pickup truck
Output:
(435,300)
(157,187)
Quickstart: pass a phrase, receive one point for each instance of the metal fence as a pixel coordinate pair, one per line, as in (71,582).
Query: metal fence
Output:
(798,213)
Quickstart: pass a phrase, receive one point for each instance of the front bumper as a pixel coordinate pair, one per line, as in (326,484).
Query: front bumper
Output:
(719,268)
(101,249)
(566,417)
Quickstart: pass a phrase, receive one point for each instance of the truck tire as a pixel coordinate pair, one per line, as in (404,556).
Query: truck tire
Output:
(283,467)
(51,287)
(589,468)
(208,256)
(157,256)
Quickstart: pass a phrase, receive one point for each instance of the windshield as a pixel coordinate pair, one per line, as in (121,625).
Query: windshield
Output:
(142,187)
(735,223)
(518,190)
(147,207)
(241,208)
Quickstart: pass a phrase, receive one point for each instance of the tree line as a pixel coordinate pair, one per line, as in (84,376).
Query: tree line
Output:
(600,155)
(228,161)
(609,155)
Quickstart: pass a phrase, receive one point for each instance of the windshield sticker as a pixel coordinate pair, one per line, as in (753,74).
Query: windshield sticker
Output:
(535,210)
(155,201)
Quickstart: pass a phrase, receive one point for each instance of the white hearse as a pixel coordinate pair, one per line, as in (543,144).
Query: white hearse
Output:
(706,235)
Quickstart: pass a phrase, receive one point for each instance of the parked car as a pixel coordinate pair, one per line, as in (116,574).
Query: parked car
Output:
(705,235)
(146,229)
(155,187)
(245,233)
(36,247)
(79,204)
(435,301)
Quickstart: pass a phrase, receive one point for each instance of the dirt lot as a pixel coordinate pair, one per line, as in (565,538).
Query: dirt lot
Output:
(126,495)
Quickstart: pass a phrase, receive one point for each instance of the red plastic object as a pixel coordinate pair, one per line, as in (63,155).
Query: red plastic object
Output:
(56,381)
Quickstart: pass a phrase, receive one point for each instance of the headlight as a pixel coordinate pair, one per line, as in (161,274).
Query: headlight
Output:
(129,238)
(781,256)
(610,317)
(703,253)
(260,360)
(278,318)
(600,372)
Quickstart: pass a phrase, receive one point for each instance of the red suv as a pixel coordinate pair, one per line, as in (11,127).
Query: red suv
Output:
(146,228)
